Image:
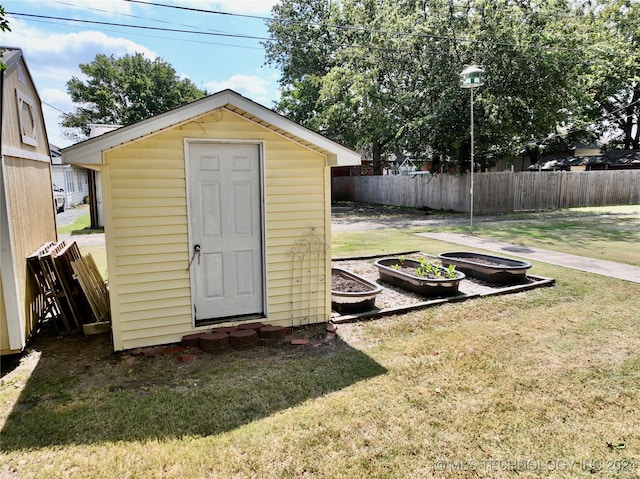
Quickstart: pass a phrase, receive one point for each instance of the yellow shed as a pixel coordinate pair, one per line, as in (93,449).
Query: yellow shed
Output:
(27,215)
(217,212)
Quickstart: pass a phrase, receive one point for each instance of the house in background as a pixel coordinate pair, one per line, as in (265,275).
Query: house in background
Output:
(216,213)
(27,214)
(74,180)
(609,160)
(95,183)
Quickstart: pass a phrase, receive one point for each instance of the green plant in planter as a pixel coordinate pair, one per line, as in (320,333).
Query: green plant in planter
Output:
(451,272)
(436,271)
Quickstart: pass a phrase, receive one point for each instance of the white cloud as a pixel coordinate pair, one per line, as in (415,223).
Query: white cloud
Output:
(253,87)
(75,47)
(53,58)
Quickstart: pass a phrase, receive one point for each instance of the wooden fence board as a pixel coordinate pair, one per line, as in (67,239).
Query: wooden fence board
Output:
(501,192)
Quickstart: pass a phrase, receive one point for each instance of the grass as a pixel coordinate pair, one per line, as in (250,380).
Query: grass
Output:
(99,255)
(536,384)
(612,236)
(81,226)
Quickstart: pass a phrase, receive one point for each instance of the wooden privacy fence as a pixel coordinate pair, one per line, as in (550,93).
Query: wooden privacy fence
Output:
(502,192)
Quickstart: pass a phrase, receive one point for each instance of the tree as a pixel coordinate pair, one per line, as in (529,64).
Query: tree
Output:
(382,76)
(339,78)
(615,71)
(4,27)
(126,90)
(532,52)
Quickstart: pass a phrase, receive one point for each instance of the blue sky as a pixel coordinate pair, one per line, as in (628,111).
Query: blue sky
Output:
(54,48)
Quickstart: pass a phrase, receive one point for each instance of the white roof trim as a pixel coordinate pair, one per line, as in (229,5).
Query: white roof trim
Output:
(89,152)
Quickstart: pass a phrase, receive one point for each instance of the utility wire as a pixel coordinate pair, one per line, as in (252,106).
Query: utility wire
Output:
(54,107)
(201,10)
(251,37)
(365,29)
(142,27)
(355,28)
(203,42)
(128,15)
(272,19)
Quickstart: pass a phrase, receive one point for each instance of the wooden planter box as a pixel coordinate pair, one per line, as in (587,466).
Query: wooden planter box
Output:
(424,286)
(489,268)
(355,295)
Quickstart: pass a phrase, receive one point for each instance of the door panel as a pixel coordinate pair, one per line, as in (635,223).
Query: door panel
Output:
(225,221)
(212,221)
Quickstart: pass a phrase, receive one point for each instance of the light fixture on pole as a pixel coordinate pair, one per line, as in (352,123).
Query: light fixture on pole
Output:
(471,77)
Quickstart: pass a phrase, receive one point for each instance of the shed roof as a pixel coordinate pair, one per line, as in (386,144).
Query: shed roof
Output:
(89,152)
(11,56)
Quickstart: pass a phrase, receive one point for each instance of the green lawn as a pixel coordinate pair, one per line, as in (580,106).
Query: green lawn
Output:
(609,233)
(543,383)
(81,227)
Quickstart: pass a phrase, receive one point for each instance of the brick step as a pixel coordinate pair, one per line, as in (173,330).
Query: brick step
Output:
(243,338)
(213,343)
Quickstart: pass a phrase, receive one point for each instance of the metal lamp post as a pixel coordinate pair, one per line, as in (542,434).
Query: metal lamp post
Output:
(472,77)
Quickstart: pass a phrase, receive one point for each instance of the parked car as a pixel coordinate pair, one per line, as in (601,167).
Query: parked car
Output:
(59,198)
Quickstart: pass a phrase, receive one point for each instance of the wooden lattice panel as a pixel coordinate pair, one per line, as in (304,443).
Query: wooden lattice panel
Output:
(93,286)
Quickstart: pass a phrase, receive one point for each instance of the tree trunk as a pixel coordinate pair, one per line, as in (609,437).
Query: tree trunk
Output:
(630,141)
(377,158)
(636,139)
(533,154)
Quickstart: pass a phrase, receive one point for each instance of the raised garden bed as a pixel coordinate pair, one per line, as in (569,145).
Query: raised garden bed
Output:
(489,268)
(351,293)
(402,272)
(397,300)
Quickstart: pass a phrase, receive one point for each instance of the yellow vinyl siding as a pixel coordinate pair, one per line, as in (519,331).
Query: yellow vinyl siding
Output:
(130,301)
(148,228)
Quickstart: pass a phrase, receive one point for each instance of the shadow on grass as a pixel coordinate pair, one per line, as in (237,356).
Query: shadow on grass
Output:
(81,393)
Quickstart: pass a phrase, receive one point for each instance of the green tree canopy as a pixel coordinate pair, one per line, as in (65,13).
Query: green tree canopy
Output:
(126,90)
(382,76)
(4,27)
(615,69)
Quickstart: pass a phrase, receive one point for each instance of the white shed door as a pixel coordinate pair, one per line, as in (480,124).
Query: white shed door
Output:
(226,234)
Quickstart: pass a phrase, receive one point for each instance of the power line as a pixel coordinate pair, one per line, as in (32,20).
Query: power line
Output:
(251,37)
(166,22)
(248,47)
(142,27)
(365,29)
(356,28)
(200,10)
(54,107)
